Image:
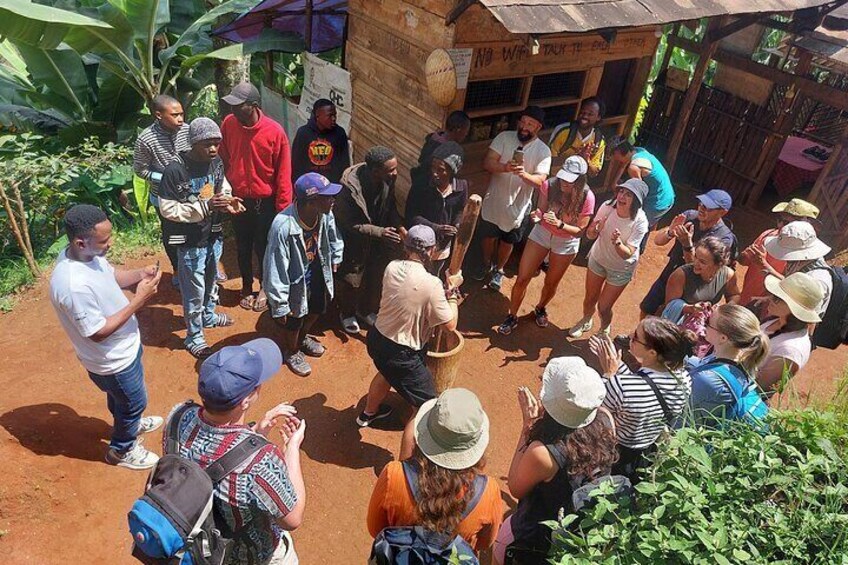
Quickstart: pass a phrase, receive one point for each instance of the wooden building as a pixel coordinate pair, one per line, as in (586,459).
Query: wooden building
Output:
(553,53)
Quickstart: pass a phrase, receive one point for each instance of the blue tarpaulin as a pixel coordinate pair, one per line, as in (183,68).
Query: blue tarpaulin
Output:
(320,23)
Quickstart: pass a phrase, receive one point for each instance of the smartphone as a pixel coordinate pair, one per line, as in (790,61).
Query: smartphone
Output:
(158,266)
(518,156)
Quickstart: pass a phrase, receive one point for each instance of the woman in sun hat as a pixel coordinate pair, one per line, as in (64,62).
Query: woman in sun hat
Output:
(442,486)
(792,308)
(798,245)
(566,439)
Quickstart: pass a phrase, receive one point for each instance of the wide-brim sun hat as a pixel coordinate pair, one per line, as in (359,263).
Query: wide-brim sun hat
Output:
(796,241)
(452,430)
(801,292)
(572,392)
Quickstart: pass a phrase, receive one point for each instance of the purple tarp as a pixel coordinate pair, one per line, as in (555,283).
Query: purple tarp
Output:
(328,22)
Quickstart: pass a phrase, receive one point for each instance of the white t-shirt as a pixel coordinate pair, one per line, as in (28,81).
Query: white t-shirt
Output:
(508,199)
(412,305)
(84,295)
(794,346)
(632,233)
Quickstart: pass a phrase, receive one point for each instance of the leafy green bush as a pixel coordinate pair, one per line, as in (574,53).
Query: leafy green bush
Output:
(728,497)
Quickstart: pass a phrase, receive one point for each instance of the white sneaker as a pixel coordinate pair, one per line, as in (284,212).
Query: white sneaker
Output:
(137,458)
(580,328)
(150,424)
(350,325)
(604,331)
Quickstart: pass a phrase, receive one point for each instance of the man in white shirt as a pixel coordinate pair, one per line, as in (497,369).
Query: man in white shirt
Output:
(519,163)
(100,321)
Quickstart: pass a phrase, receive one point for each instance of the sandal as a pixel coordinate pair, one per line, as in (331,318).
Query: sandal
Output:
(350,325)
(260,303)
(247,301)
(200,350)
(220,321)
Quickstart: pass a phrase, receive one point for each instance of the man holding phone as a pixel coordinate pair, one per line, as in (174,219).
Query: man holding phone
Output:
(519,163)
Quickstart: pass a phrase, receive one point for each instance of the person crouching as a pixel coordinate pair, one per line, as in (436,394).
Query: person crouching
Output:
(304,250)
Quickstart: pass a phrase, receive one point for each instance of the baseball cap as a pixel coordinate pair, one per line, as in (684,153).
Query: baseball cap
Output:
(574,167)
(313,184)
(798,208)
(420,237)
(534,112)
(638,187)
(233,372)
(571,391)
(241,93)
(715,199)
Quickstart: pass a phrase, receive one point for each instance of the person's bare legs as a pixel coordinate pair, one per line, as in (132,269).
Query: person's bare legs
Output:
(377,392)
(504,251)
(531,258)
(488,244)
(557,267)
(608,298)
(594,284)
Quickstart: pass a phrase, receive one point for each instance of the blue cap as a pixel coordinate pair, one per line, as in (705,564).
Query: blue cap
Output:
(232,373)
(313,184)
(715,199)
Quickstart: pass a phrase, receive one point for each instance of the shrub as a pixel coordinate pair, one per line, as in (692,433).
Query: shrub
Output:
(724,497)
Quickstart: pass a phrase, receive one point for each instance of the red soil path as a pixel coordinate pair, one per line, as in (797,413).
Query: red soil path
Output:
(59,503)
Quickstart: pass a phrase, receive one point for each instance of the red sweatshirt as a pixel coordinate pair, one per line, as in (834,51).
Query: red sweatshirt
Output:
(257,160)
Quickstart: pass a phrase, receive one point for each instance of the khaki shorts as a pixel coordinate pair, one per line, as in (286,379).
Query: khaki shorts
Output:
(285,553)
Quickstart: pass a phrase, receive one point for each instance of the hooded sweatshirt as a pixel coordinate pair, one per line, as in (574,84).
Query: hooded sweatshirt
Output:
(314,151)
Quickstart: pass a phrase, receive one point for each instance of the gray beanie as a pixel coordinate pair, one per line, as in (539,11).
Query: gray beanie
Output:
(202,129)
(451,153)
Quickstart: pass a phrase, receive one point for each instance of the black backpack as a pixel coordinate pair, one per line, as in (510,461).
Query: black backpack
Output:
(173,521)
(832,331)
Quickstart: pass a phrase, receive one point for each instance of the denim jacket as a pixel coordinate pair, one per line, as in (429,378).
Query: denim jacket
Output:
(284,267)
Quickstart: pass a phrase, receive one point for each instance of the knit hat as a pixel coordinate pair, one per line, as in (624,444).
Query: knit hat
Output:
(637,187)
(202,129)
(534,112)
(572,391)
(796,241)
(420,238)
(452,430)
(801,292)
(452,154)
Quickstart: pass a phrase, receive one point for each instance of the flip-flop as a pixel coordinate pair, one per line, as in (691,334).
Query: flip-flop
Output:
(247,301)
(260,303)
(221,320)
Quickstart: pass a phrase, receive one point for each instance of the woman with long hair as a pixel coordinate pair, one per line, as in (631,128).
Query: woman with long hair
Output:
(566,439)
(442,486)
(619,228)
(791,310)
(646,401)
(720,380)
(565,207)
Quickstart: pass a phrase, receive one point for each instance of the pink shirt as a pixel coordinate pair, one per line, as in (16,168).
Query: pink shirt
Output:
(587,210)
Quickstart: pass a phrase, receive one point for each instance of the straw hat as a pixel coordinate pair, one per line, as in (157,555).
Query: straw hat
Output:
(801,292)
(796,241)
(452,430)
(572,391)
(440,74)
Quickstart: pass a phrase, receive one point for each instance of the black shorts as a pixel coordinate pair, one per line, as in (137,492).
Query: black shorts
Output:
(489,230)
(403,367)
(316,301)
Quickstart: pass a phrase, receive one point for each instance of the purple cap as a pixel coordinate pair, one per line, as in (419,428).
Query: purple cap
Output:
(313,184)
(715,199)
(232,373)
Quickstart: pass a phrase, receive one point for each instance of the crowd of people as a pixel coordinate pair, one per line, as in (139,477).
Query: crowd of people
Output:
(324,230)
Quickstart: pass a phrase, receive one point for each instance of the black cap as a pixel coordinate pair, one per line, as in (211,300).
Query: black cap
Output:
(534,112)
(242,93)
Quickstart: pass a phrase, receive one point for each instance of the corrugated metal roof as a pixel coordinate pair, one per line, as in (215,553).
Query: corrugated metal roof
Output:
(557,16)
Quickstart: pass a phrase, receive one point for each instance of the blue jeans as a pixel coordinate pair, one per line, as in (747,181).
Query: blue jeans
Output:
(197,271)
(126,398)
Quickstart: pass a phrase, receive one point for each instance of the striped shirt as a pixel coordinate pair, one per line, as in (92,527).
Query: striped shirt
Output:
(252,497)
(154,149)
(639,417)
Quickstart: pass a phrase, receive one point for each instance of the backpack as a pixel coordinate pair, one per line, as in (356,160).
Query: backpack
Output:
(832,331)
(172,522)
(748,404)
(415,545)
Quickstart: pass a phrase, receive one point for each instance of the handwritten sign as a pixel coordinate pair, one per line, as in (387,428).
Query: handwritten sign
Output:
(462,63)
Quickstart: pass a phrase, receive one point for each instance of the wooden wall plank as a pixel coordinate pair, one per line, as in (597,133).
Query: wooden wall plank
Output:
(407,19)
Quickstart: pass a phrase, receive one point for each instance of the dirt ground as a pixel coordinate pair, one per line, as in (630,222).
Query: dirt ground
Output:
(60,503)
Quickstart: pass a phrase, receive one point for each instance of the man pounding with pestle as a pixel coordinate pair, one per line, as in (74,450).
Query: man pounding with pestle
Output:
(414,303)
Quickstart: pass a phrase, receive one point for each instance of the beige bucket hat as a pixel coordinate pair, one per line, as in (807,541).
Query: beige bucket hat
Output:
(452,430)
(801,292)
(572,391)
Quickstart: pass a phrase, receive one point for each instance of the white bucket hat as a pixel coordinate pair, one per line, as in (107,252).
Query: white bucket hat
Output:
(796,241)
(452,430)
(801,292)
(572,391)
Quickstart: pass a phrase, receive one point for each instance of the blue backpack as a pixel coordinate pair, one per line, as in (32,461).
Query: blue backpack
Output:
(414,545)
(173,523)
(748,404)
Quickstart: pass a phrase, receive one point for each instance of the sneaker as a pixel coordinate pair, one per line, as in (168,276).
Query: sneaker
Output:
(604,331)
(541,317)
(312,347)
(137,458)
(298,365)
(508,325)
(497,280)
(350,325)
(368,319)
(364,420)
(483,273)
(580,328)
(150,424)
